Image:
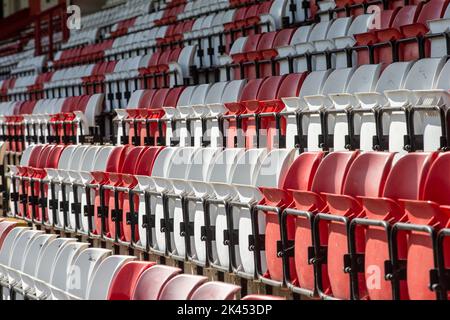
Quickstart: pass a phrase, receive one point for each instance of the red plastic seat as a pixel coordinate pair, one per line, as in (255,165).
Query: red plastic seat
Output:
(432,210)
(52,162)
(144,166)
(114,164)
(405,181)
(215,290)
(329,178)
(124,281)
(249,92)
(409,23)
(37,172)
(299,177)
(181,287)
(123,178)
(5,228)
(251,45)
(269,92)
(366,178)
(26,172)
(151,282)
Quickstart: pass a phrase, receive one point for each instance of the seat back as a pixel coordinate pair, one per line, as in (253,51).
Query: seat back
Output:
(407,177)
(181,287)
(216,290)
(274,167)
(84,266)
(247,167)
(124,281)
(162,162)
(146,161)
(332,171)
(367,174)
(101,278)
(64,260)
(152,281)
(224,165)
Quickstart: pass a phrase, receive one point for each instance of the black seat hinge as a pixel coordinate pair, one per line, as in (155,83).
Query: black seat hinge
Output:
(148,221)
(231,237)
(319,257)
(395,271)
(116,215)
(102,212)
(288,252)
(253,240)
(186,229)
(87,209)
(166,225)
(354,263)
(76,208)
(132,218)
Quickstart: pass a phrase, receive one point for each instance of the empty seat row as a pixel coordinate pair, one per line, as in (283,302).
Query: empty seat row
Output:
(41,266)
(351,108)
(49,120)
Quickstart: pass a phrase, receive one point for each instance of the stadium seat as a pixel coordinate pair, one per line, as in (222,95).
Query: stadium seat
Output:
(429,211)
(215,290)
(388,209)
(182,287)
(125,280)
(152,281)
(102,277)
(299,177)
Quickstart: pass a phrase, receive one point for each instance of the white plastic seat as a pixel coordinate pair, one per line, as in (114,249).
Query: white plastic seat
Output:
(338,29)
(54,176)
(44,266)
(313,85)
(16,258)
(360,24)
(31,259)
(427,120)
(364,79)
(318,32)
(270,173)
(7,250)
(244,175)
(79,173)
(422,76)
(301,35)
(311,121)
(68,179)
(162,183)
(61,268)
(177,184)
(439,45)
(197,171)
(221,172)
(160,170)
(102,277)
(392,77)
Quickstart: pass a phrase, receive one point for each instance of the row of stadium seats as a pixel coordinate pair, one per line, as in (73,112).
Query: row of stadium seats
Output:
(48,120)
(265,112)
(379,103)
(318,223)
(35,265)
